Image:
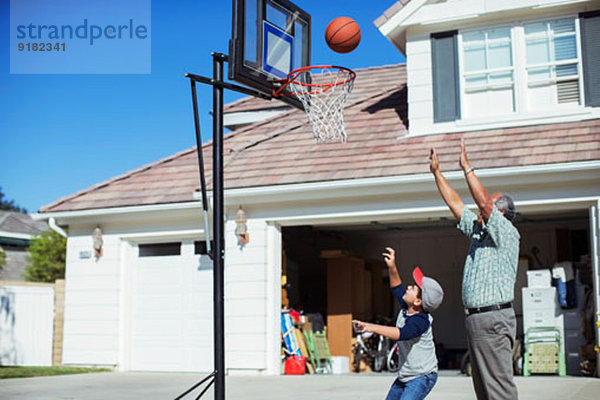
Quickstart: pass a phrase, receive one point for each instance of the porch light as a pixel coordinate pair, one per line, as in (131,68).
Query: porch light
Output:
(241,228)
(98,242)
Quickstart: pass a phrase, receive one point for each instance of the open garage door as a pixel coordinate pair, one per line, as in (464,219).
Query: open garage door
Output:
(547,237)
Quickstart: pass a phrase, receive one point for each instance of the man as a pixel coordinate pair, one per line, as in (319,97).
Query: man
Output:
(488,280)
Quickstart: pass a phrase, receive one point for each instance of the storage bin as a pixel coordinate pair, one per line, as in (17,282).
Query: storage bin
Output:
(541,278)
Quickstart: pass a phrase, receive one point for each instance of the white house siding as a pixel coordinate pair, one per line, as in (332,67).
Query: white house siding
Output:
(251,302)
(91,325)
(419,82)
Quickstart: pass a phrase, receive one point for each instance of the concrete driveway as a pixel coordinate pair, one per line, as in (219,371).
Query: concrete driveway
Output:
(155,386)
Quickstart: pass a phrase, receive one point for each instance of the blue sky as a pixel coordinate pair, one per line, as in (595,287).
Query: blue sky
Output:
(63,133)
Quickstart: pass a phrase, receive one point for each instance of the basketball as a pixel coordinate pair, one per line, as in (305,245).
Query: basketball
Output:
(342,35)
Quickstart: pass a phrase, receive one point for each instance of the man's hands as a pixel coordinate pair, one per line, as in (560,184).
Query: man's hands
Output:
(463,161)
(390,257)
(434,164)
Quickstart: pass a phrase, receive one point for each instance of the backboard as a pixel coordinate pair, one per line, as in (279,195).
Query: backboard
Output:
(270,38)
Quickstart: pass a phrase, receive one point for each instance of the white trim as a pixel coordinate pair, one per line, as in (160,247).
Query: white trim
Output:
(15,235)
(568,114)
(595,239)
(117,210)
(446,12)
(273,295)
(326,189)
(392,182)
(144,236)
(401,16)
(580,61)
(125,312)
(415,213)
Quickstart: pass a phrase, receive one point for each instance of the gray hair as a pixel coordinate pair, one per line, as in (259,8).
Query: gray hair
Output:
(505,203)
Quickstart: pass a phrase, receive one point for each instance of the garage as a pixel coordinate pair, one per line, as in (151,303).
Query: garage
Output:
(547,237)
(171,308)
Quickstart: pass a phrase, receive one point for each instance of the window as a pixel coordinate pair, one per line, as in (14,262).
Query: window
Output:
(160,249)
(526,68)
(200,247)
(487,73)
(552,63)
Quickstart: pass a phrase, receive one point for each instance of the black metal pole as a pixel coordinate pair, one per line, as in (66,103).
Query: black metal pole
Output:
(201,168)
(218,254)
(218,228)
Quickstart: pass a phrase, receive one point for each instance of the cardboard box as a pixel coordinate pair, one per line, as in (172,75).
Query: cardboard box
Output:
(541,278)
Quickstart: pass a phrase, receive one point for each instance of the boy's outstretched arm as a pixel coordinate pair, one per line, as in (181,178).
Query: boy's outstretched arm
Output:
(391,332)
(390,260)
(451,198)
(480,195)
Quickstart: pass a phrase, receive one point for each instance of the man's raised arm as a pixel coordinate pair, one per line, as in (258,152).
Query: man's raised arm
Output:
(451,198)
(481,197)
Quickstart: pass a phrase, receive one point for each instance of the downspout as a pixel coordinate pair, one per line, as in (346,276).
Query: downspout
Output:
(56,228)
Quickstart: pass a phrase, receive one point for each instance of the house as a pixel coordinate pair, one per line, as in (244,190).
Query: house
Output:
(16,232)
(516,79)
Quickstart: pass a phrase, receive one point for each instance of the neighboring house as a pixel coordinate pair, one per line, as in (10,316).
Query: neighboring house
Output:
(16,231)
(516,79)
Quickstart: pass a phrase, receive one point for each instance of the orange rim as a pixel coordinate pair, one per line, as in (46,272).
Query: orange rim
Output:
(318,87)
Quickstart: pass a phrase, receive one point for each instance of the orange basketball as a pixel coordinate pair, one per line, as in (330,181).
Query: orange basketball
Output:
(342,35)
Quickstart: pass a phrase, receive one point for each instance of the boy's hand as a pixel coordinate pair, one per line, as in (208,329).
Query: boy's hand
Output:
(359,326)
(434,164)
(390,257)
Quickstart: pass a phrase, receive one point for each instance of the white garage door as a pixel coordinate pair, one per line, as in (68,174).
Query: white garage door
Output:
(171,323)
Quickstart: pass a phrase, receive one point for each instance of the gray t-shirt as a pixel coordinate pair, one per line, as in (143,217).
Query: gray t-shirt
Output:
(416,355)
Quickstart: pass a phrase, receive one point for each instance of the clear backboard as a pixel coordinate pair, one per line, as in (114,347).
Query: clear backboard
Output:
(270,38)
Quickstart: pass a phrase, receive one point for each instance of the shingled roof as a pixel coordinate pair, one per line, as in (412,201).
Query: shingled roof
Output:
(281,150)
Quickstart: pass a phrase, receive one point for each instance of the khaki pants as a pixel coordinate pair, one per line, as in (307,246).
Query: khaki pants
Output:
(490,337)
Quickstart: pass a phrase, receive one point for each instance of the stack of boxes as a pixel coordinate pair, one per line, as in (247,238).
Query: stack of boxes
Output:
(541,309)
(541,312)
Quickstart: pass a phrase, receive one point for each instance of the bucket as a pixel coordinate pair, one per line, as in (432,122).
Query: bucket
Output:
(295,365)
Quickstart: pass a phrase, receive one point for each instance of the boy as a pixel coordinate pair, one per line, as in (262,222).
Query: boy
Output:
(418,363)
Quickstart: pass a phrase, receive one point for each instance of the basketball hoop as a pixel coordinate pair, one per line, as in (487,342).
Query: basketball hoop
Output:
(323,90)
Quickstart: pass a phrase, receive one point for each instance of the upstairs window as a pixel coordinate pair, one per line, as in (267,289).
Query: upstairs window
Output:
(538,68)
(487,73)
(552,64)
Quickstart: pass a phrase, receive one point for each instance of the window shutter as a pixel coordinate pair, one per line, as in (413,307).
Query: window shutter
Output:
(590,32)
(444,60)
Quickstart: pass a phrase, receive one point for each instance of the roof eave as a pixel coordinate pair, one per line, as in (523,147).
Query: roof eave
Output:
(394,27)
(334,189)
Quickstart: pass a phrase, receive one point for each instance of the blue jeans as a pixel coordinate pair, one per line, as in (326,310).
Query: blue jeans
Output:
(415,389)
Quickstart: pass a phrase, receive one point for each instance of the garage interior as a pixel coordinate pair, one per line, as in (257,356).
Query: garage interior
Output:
(319,260)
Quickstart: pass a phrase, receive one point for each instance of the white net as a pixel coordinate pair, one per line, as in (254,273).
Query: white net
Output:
(323,91)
